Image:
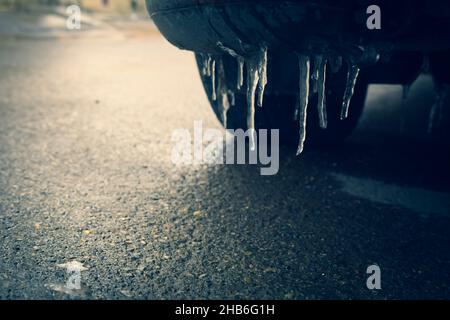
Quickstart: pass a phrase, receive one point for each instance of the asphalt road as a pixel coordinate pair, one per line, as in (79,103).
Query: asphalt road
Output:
(86,175)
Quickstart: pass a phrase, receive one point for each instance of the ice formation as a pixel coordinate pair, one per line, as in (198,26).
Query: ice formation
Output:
(223,92)
(321,108)
(304,69)
(262,70)
(206,64)
(352,77)
(312,80)
(240,72)
(315,72)
(252,83)
(213,79)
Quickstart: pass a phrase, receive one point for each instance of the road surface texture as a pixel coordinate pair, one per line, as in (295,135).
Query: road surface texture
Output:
(86,175)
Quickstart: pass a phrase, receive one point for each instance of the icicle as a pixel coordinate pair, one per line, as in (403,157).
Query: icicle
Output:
(232,97)
(304,68)
(240,61)
(223,91)
(321,96)
(316,71)
(209,70)
(352,77)
(405,93)
(336,64)
(240,72)
(225,106)
(262,70)
(208,65)
(230,51)
(204,63)
(252,83)
(213,79)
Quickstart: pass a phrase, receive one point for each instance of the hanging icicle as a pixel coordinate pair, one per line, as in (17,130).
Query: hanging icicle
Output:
(352,77)
(222,91)
(232,97)
(262,70)
(252,83)
(256,79)
(225,105)
(321,94)
(240,72)
(304,69)
(213,79)
(207,62)
(315,72)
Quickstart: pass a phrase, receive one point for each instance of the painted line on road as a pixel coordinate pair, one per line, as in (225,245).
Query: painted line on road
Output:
(415,199)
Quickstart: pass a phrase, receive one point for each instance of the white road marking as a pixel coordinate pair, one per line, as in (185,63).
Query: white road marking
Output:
(415,199)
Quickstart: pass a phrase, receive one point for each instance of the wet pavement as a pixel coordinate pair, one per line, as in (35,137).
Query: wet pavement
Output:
(86,175)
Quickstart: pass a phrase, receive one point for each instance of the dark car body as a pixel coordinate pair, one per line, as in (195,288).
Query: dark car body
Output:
(414,37)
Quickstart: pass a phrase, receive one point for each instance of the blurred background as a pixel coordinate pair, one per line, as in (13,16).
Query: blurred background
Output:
(110,7)
(21,18)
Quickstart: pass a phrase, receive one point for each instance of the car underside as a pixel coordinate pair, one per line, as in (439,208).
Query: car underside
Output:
(300,64)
